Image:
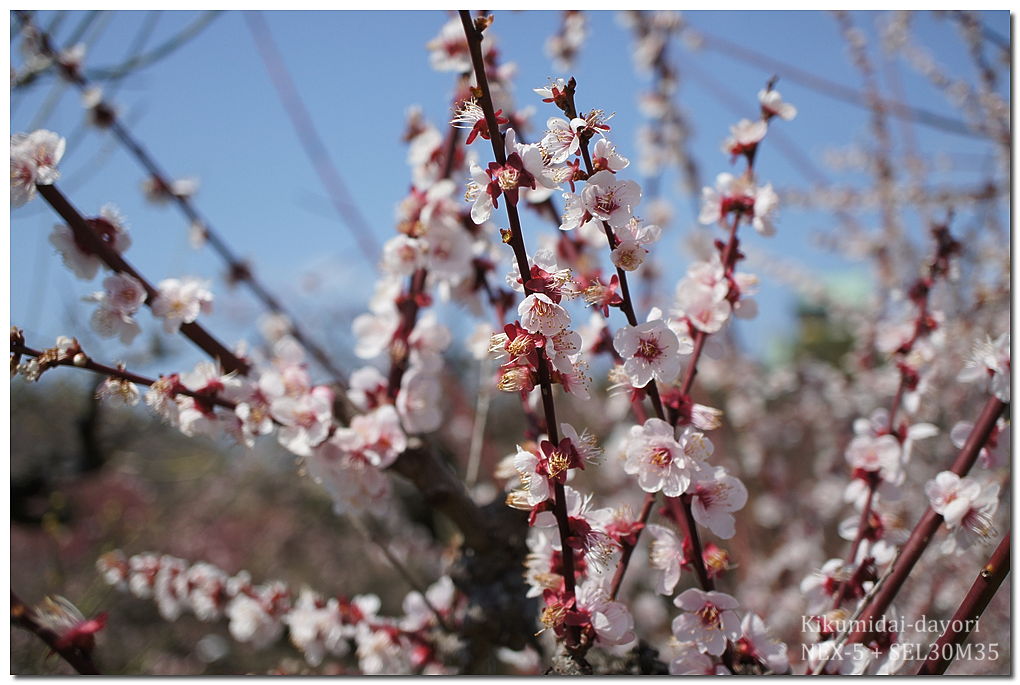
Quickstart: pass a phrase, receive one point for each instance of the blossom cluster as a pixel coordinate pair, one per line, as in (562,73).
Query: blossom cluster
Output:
(260,614)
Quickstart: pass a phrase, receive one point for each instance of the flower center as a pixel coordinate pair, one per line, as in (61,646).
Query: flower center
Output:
(648,349)
(661,456)
(710,616)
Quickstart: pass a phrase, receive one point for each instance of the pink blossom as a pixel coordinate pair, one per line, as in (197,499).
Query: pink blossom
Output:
(772,105)
(708,620)
(305,420)
(611,620)
(666,555)
(34,159)
(990,367)
(714,495)
(660,461)
(109,225)
(756,643)
(539,314)
(122,296)
(610,200)
(180,301)
(649,350)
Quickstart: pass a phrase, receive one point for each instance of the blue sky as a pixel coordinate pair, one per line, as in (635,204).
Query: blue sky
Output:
(209,110)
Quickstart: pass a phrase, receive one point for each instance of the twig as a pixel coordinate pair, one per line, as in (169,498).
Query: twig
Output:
(474,39)
(981,592)
(23,616)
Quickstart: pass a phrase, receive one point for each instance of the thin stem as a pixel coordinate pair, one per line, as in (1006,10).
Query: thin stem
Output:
(84,233)
(122,374)
(238,268)
(930,521)
(974,604)
(474,40)
(23,616)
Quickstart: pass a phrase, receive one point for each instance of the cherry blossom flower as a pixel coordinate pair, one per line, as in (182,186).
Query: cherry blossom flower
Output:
(744,137)
(367,388)
(561,138)
(878,455)
(441,595)
(772,105)
(665,554)
(118,390)
(733,194)
(585,443)
(539,314)
(180,301)
(689,661)
(755,643)
(34,159)
(996,449)
(708,620)
(79,258)
(377,436)
(374,331)
(58,615)
(122,296)
(650,350)
(610,200)
(587,537)
(966,507)
(251,621)
(612,622)
(470,115)
(160,192)
(352,482)
(312,623)
(990,366)
(660,461)
(604,157)
(402,255)
(448,51)
(713,496)
(305,420)
(419,402)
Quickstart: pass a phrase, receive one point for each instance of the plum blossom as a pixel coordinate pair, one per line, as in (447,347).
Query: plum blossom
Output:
(539,314)
(714,495)
(34,159)
(58,615)
(304,420)
(122,296)
(666,555)
(376,436)
(180,301)
(561,138)
(251,621)
(990,367)
(966,507)
(604,157)
(876,454)
(610,200)
(612,622)
(689,661)
(352,482)
(757,644)
(708,620)
(418,402)
(744,137)
(739,195)
(660,461)
(650,350)
(448,51)
(772,105)
(108,226)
